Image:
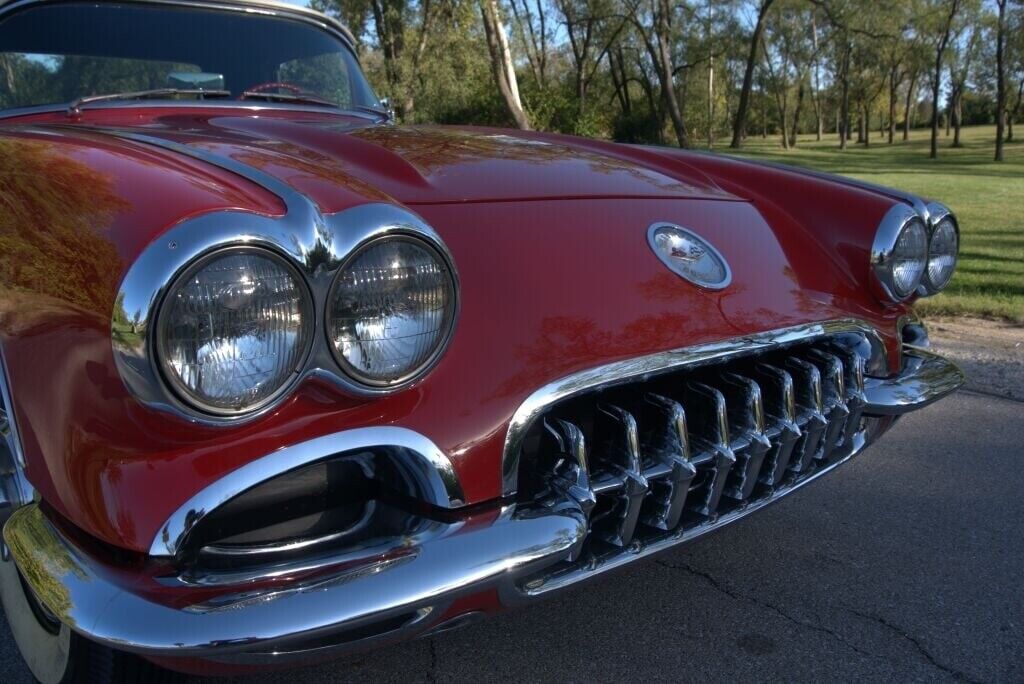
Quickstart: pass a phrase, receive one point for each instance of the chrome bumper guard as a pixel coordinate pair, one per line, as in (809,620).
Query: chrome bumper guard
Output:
(407,589)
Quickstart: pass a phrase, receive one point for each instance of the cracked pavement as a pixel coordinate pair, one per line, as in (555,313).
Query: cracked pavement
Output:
(905,564)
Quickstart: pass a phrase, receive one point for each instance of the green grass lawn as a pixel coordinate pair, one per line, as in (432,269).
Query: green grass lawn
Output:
(988,199)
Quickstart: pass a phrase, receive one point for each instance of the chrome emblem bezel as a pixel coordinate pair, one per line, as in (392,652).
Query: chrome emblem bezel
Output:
(697,249)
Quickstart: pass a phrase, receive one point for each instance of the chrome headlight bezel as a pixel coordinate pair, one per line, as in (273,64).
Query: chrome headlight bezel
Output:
(437,251)
(896,221)
(937,213)
(314,246)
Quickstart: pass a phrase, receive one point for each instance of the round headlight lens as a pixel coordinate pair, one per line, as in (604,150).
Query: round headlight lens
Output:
(233,330)
(391,310)
(942,253)
(909,258)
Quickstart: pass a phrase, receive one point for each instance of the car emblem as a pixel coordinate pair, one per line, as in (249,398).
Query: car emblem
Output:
(689,255)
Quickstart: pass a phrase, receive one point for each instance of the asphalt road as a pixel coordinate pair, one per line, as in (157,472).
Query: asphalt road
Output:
(905,564)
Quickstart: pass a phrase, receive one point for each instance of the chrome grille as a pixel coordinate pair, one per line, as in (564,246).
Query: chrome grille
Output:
(668,453)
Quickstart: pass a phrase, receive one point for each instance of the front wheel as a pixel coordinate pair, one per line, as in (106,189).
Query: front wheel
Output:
(55,654)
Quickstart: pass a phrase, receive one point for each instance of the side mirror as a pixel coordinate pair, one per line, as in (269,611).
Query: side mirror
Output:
(389,111)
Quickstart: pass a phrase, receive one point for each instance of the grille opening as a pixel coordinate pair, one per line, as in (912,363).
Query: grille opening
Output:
(670,453)
(340,503)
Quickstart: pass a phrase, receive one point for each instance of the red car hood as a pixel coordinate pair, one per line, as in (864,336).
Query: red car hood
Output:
(330,158)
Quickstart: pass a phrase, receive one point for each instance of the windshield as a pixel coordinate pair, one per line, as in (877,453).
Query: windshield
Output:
(55,53)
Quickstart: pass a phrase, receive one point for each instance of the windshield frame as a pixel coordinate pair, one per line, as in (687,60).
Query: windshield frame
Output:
(268,8)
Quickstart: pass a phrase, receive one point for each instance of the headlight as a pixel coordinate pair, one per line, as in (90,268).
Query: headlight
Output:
(942,254)
(391,310)
(899,255)
(233,330)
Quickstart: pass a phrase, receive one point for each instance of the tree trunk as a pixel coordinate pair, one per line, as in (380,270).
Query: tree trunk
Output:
(893,86)
(1000,79)
(739,129)
(957,113)
(949,118)
(501,63)
(910,101)
(844,99)
(391,36)
(664,62)
(937,78)
(795,130)
(1015,112)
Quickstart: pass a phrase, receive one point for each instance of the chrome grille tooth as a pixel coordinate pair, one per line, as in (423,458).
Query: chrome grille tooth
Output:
(617,448)
(809,415)
(853,365)
(780,418)
(833,376)
(664,439)
(747,439)
(570,477)
(571,474)
(709,435)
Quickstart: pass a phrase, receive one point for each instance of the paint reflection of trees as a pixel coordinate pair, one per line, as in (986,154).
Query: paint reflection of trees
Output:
(566,344)
(430,149)
(54,211)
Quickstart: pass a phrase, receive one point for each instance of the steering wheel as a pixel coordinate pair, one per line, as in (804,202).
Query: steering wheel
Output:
(273,85)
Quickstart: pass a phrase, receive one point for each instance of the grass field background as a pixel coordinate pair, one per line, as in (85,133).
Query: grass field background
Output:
(987,197)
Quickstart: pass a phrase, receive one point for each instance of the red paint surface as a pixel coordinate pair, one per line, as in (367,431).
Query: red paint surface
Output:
(548,234)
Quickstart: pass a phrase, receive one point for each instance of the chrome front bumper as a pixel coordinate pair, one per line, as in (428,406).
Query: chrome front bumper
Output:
(396,594)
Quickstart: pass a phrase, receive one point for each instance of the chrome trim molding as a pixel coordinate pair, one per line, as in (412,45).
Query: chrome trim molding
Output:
(891,226)
(315,244)
(15,489)
(423,460)
(644,367)
(926,377)
(456,561)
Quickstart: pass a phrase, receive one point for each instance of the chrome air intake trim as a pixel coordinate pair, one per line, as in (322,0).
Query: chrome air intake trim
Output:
(421,458)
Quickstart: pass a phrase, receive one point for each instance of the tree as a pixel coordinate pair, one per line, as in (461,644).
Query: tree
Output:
(652,20)
(1000,79)
(501,62)
(963,51)
(532,29)
(739,129)
(948,10)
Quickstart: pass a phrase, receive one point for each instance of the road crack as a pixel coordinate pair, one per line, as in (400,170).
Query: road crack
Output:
(918,646)
(432,671)
(719,586)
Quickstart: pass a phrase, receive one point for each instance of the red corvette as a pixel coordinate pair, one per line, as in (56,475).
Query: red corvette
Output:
(282,380)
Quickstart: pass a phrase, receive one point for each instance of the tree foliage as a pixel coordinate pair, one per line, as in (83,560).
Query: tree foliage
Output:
(694,71)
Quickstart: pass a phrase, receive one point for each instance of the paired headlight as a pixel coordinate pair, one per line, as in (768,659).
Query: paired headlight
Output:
(236,328)
(390,310)
(911,256)
(943,249)
(233,330)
